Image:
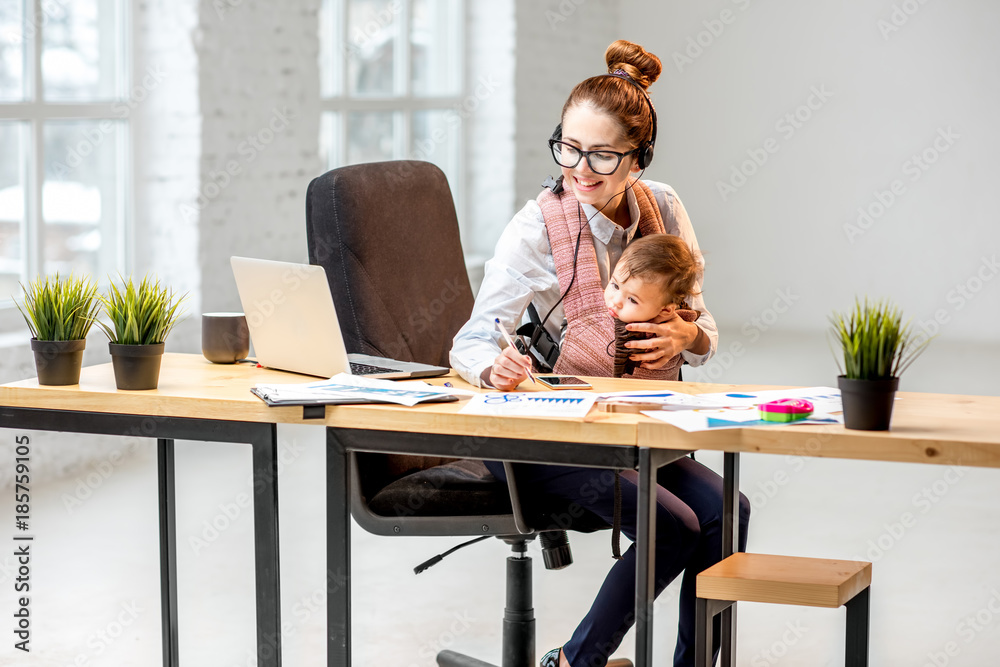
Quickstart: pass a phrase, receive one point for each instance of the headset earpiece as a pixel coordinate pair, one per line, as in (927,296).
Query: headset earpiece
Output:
(557,133)
(644,155)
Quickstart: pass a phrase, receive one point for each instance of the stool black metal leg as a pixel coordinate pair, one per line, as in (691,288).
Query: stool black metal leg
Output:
(168,550)
(705,613)
(265,517)
(703,634)
(858,621)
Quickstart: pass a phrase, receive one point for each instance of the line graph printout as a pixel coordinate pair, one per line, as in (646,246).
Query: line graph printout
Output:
(531,404)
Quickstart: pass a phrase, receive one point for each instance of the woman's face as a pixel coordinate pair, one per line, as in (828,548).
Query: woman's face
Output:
(588,129)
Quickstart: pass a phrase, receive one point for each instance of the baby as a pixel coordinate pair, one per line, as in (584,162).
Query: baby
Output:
(650,283)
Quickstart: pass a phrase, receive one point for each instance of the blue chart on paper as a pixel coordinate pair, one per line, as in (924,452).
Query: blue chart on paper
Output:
(555,399)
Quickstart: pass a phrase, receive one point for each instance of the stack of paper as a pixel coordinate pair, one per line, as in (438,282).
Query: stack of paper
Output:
(346,388)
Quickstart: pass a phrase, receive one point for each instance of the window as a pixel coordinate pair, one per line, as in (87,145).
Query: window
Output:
(392,83)
(64,139)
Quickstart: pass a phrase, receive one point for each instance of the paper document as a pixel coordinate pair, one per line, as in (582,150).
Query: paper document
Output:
(346,388)
(739,410)
(531,404)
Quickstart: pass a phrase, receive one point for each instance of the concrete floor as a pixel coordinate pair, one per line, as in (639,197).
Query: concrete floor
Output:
(930,531)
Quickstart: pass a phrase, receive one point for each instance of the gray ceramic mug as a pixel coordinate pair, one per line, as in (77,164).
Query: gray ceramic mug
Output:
(225,337)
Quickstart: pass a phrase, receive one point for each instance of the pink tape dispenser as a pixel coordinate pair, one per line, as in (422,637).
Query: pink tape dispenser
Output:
(785,410)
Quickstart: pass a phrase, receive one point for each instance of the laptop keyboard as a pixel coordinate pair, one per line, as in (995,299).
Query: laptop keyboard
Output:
(367,369)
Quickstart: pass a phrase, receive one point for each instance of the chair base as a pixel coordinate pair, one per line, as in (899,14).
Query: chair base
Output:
(518,619)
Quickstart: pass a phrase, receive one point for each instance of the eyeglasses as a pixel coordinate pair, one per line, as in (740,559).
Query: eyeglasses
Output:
(604,163)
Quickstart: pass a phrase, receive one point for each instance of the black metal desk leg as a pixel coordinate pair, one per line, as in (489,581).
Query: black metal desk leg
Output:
(858,619)
(645,573)
(338,554)
(168,550)
(265,526)
(730,544)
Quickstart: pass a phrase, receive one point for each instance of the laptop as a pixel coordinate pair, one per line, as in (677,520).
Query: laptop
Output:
(293,324)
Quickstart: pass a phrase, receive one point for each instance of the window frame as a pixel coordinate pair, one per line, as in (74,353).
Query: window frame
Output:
(35,111)
(402,103)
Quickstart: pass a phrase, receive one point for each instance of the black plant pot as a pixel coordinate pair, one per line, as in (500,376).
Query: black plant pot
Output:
(136,366)
(58,362)
(867,403)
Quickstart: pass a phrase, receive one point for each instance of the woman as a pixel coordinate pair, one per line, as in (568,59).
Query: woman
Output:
(558,254)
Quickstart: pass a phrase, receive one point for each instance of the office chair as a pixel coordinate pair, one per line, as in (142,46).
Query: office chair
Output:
(387,235)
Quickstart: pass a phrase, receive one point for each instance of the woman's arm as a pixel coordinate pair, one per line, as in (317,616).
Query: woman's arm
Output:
(521,269)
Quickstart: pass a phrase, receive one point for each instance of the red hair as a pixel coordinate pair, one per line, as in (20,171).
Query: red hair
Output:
(619,98)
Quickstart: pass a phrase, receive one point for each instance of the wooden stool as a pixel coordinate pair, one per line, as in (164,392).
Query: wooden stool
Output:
(813,582)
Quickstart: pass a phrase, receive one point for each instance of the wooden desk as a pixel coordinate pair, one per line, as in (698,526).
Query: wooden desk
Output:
(602,439)
(195,400)
(942,429)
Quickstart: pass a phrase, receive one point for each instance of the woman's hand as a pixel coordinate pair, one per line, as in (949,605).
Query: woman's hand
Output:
(509,369)
(669,339)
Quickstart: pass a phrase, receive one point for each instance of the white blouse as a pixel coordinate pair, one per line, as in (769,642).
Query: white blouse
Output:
(522,271)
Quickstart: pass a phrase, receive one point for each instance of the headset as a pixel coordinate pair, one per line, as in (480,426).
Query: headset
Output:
(643,153)
(538,336)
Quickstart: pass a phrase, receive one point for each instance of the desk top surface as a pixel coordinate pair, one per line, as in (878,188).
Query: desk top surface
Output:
(928,428)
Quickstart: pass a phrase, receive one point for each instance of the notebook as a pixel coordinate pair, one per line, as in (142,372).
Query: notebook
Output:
(293,324)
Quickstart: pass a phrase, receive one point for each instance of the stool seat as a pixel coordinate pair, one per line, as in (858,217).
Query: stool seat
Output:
(815,582)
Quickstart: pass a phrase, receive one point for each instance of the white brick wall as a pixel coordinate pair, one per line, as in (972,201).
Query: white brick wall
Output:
(259,99)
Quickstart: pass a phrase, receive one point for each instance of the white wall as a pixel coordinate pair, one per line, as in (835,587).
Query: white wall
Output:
(891,92)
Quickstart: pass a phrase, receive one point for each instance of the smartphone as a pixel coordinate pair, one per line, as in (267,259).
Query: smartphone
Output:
(562,382)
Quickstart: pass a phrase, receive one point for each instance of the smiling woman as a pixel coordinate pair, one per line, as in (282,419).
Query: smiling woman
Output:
(557,257)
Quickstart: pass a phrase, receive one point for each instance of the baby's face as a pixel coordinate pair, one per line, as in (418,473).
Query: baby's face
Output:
(632,299)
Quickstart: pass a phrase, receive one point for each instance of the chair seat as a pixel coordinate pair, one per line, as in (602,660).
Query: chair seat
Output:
(815,582)
(465,487)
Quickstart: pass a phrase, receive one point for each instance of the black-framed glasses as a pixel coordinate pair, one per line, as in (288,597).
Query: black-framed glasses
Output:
(604,163)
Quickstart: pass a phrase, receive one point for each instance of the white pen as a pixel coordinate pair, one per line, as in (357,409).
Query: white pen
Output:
(510,342)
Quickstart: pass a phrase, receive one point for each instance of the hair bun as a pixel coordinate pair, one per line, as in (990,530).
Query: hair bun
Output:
(637,62)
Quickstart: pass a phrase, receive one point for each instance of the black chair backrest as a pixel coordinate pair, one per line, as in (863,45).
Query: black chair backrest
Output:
(388,237)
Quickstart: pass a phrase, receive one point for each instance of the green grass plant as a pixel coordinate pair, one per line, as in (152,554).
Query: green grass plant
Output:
(60,308)
(874,342)
(140,315)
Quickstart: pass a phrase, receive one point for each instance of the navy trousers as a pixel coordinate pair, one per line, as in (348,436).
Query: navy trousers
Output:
(688,539)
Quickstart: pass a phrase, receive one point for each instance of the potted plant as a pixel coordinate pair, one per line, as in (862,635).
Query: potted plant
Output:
(59,313)
(876,349)
(140,320)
